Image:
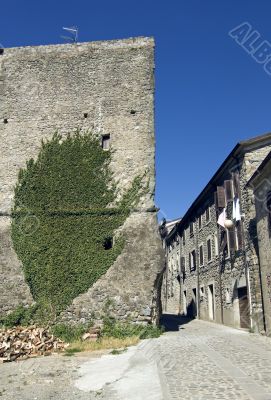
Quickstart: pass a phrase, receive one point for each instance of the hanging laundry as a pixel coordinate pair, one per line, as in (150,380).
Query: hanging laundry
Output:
(236,212)
(222,218)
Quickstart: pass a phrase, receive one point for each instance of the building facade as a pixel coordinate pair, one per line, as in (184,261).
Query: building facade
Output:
(261,184)
(171,285)
(219,265)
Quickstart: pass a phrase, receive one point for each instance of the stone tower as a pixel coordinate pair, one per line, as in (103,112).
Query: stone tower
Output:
(106,87)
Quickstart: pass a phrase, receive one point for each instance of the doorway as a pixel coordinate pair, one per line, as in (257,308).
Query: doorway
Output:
(211,302)
(243,308)
(184,303)
(194,303)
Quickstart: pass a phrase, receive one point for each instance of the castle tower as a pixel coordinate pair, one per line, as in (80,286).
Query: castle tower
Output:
(107,88)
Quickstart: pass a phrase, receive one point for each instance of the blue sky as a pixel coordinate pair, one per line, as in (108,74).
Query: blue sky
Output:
(209,92)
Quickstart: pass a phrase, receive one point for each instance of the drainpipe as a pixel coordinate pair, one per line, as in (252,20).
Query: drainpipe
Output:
(220,276)
(244,247)
(166,273)
(246,270)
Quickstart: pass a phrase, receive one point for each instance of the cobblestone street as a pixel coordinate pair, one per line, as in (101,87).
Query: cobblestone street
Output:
(206,361)
(194,361)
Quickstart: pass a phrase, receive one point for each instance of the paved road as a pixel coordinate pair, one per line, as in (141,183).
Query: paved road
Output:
(194,361)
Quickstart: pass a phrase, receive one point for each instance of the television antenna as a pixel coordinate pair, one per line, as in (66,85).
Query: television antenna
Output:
(73,38)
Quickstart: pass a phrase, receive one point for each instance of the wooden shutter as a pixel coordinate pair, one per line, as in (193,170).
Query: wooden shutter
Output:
(221,201)
(228,190)
(236,184)
(232,241)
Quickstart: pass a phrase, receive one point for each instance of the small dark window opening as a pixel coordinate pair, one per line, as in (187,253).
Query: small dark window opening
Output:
(85,115)
(5,120)
(133,112)
(1,51)
(105,142)
(108,243)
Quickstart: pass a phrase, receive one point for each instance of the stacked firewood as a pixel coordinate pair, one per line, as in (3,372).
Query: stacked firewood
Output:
(21,343)
(92,335)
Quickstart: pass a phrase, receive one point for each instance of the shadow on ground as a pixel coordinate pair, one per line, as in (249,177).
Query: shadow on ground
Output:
(173,322)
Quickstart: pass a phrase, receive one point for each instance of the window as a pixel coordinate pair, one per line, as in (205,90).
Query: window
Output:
(183,266)
(183,237)
(105,142)
(209,249)
(200,222)
(201,255)
(192,260)
(225,243)
(191,228)
(216,244)
(207,215)
(108,243)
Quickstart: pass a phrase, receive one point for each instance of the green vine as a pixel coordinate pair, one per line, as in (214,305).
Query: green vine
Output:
(64,220)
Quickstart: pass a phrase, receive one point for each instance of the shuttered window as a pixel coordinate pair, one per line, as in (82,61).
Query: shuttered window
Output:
(216,244)
(207,215)
(191,227)
(201,255)
(192,260)
(232,239)
(228,190)
(221,197)
(209,249)
(200,222)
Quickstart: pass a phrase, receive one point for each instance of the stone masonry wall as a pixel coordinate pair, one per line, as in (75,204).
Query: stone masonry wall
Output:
(108,88)
(262,189)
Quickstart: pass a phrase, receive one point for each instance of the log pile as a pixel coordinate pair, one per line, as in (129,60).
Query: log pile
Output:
(92,335)
(21,343)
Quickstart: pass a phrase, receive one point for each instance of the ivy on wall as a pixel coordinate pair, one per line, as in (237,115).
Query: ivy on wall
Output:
(63,219)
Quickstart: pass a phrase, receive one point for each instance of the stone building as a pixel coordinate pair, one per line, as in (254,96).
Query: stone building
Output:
(261,184)
(106,87)
(219,266)
(171,278)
